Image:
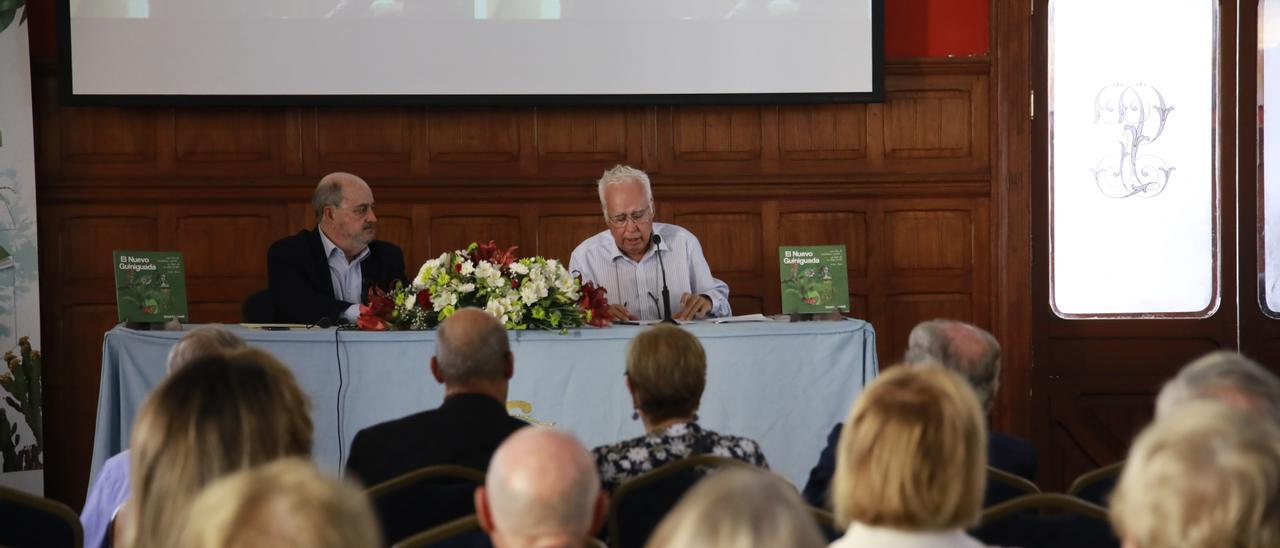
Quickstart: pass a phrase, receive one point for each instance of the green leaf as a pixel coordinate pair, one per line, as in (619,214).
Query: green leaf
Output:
(6,17)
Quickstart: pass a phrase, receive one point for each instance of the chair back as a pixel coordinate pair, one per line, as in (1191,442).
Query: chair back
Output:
(1048,520)
(258,307)
(423,499)
(464,531)
(1096,485)
(638,506)
(28,520)
(826,523)
(1003,486)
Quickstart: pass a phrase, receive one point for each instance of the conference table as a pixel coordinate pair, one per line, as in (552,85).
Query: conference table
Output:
(783,384)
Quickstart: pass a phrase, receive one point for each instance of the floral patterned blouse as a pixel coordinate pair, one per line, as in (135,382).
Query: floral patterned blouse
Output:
(625,460)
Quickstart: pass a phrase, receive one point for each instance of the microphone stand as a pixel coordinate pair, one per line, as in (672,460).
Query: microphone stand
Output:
(666,293)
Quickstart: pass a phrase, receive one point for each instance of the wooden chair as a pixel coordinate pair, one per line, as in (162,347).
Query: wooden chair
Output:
(1045,520)
(28,520)
(638,505)
(1096,485)
(1003,486)
(441,533)
(423,499)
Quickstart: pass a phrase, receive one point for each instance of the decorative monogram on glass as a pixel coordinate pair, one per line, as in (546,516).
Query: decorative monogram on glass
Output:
(1141,113)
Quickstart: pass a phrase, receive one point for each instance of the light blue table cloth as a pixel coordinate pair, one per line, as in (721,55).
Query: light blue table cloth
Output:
(782,384)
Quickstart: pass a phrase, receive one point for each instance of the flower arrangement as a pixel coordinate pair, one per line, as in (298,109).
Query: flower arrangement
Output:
(528,293)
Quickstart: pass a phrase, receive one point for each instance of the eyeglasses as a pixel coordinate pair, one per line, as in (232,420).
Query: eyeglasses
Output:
(638,216)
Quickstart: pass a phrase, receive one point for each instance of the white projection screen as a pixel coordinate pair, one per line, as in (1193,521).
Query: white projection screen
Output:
(472,51)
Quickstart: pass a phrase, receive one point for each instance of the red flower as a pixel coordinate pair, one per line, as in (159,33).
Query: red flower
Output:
(376,316)
(596,303)
(424,299)
(490,252)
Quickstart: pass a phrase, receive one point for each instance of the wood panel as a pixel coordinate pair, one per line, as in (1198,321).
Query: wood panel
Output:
(87,242)
(822,138)
(109,141)
(365,141)
(711,139)
(558,235)
(829,228)
(941,120)
(450,232)
(228,141)
(474,142)
(929,240)
(587,141)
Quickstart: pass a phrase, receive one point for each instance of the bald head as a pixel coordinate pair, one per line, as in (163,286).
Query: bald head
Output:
(966,349)
(542,490)
(328,191)
(471,345)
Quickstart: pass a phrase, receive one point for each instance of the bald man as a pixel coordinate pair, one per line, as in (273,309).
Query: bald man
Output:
(326,273)
(542,490)
(473,360)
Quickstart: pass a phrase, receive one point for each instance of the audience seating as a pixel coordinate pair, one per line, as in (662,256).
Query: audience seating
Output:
(454,533)
(423,499)
(638,505)
(1095,486)
(1046,520)
(1003,486)
(258,308)
(28,520)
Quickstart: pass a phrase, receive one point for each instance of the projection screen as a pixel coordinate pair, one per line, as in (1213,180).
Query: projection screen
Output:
(480,51)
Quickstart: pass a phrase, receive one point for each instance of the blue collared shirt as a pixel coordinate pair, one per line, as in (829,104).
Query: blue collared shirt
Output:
(630,283)
(345,275)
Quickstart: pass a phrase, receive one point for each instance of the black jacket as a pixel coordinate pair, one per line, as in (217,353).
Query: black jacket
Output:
(299,281)
(466,430)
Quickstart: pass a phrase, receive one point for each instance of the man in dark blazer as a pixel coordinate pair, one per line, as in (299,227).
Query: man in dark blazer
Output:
(973,353)
(473,360)
(327,272)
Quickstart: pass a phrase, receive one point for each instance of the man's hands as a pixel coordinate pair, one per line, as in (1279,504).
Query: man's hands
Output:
(693,307)
(619,312)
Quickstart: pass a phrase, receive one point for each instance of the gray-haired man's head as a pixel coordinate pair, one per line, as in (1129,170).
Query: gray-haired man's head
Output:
(472,346)
(966,349)
(1225,377)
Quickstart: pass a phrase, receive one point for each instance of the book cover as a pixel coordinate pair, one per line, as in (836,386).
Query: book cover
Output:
(151,286)
(815,279)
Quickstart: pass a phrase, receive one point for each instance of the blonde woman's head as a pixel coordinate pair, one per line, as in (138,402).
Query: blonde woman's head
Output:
(667,370)
(740,507)
(913,453)
(287,503)
(1206,475)
(211,417)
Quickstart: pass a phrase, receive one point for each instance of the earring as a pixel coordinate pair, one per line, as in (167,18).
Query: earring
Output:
(635,415)
(695,417)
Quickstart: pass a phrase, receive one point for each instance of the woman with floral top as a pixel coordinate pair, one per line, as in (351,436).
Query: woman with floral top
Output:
(666,372)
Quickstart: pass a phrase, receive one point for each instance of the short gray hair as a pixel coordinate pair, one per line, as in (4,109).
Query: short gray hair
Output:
(203,342)
(952,344)
(472,352)
(620,174)
(329,192)
(1220,375)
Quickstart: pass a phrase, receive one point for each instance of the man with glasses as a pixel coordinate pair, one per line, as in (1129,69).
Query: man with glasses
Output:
(625,261)
(326,273)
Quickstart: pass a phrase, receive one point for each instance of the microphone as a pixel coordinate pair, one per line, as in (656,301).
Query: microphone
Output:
(323,323)
(655,239)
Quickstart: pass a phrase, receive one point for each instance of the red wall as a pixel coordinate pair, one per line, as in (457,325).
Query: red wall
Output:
(913,28)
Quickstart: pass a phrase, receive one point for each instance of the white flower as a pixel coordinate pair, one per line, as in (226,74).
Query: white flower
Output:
(519,268)
(410,301)
(467,268)
(495,308)
(466,288)
(442,299)
(528,294)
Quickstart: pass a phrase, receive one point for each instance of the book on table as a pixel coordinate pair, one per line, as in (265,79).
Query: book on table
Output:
(151,286)
(815,279)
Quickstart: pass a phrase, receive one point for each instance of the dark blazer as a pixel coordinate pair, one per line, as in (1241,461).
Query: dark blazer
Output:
(299,281)
(465,431)
(1008,453)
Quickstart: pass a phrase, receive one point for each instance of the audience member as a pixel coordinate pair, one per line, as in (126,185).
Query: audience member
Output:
(1226,377)
(1203,476)
(739,508)
(473,360)
(541,491)
(974,354)
(111,488)
(287,503)
(326,273)
(666,373)
(212,417)
(911,464)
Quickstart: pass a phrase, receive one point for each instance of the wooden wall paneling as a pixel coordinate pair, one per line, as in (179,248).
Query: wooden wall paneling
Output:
(560,229)
(731,234)
(113,141)
(224,249)
(226,142)
(476,142)
(713,140)
(368,142)
(822,138)
(452,227)
(936,122)
(585,141)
